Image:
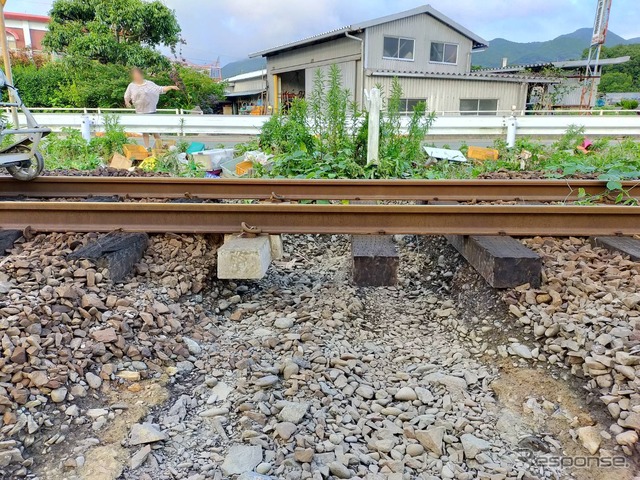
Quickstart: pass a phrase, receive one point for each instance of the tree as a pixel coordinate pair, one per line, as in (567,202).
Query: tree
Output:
(125,32)
(612,82)
(630,69)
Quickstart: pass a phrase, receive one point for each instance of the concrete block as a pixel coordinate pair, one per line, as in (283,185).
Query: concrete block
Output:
(275,243)
(277,247)
(375,260)
(244,258)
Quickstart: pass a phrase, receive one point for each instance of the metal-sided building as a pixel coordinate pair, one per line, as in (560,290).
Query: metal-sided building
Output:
(428,52)
(247,91)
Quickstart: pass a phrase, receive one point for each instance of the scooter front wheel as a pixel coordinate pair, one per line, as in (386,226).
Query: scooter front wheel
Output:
(28,170)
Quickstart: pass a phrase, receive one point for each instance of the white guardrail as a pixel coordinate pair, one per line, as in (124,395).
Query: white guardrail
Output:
(455,126)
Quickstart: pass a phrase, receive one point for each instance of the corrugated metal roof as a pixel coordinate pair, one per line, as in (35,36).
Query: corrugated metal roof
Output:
(248,93)
(568,64)
(247,76)
(463,76)
(478,42)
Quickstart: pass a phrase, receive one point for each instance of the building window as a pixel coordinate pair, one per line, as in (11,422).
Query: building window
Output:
(407,105)
(398,48)
(12,43)
(478,107)
(444,53)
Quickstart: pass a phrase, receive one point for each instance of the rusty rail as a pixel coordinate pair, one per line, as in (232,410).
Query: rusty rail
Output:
(515,220)
(410,190)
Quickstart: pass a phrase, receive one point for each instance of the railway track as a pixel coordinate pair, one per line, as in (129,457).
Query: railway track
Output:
(259,189)
(528,218)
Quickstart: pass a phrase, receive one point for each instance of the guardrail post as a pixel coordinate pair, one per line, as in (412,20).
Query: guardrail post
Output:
(512,130)
(374,105)
(85,127)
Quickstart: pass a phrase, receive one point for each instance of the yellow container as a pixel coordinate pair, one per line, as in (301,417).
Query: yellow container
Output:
(482,154)
(244,168)
(135,152)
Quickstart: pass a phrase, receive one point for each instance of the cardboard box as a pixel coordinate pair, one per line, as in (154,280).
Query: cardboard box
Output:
(135,152)
(120,162)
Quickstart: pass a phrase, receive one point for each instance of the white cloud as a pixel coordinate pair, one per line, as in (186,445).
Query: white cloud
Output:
(232,29)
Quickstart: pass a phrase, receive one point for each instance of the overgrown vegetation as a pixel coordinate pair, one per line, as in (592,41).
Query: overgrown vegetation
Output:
(612,161)
(69,151)
(326,135)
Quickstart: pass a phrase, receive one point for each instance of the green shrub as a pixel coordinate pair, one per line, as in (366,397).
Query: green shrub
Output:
(113,139)
(288,133)
(81,83)
(68,150)
(326,135)
(629,104)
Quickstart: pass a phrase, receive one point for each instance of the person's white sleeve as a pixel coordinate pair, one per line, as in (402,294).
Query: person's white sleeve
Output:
(156,88)
(127,96)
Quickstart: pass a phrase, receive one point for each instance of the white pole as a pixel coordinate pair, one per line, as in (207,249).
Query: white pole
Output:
(512,129)
(7,62)
(85,128)
(373,103)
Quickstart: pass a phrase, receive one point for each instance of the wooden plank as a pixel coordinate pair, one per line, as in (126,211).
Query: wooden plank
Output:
(626,245)
(502,261)
(7,239)
(118,252)
(375,260)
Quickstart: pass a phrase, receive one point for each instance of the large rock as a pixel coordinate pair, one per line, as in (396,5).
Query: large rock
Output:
(448,381)
(632,421)
(473,445)
(406,394)
(143,433)
(93,380)
(293,412)
(590,438)
(339,470)
(431,439)
(241,459)
(138,458)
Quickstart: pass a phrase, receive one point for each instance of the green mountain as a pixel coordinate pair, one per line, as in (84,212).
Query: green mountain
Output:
(243,66)
(565,47)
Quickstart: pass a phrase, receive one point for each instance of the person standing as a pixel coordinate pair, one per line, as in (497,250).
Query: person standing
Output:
(144,96)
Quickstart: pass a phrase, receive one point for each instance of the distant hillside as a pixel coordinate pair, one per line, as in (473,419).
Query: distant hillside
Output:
(243,66)
(565,47)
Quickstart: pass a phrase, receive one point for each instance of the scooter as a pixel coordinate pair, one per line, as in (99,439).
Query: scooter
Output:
(21,158)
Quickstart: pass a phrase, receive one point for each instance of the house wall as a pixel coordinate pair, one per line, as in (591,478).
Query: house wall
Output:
(571,93)
(345,52)
(424,29)
(349,77)
(336,51)
(444,95)
(28,34)
(250,84)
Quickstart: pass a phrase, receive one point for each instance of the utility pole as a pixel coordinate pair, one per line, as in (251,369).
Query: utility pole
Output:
(594,70)
(7,62)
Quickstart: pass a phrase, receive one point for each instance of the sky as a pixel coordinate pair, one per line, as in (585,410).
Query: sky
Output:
(231,29)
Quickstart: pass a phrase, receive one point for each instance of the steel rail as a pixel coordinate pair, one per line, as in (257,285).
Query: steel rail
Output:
(515,220)
(410,190)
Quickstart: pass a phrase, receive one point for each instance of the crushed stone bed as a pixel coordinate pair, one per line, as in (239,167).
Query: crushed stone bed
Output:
(175,374)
